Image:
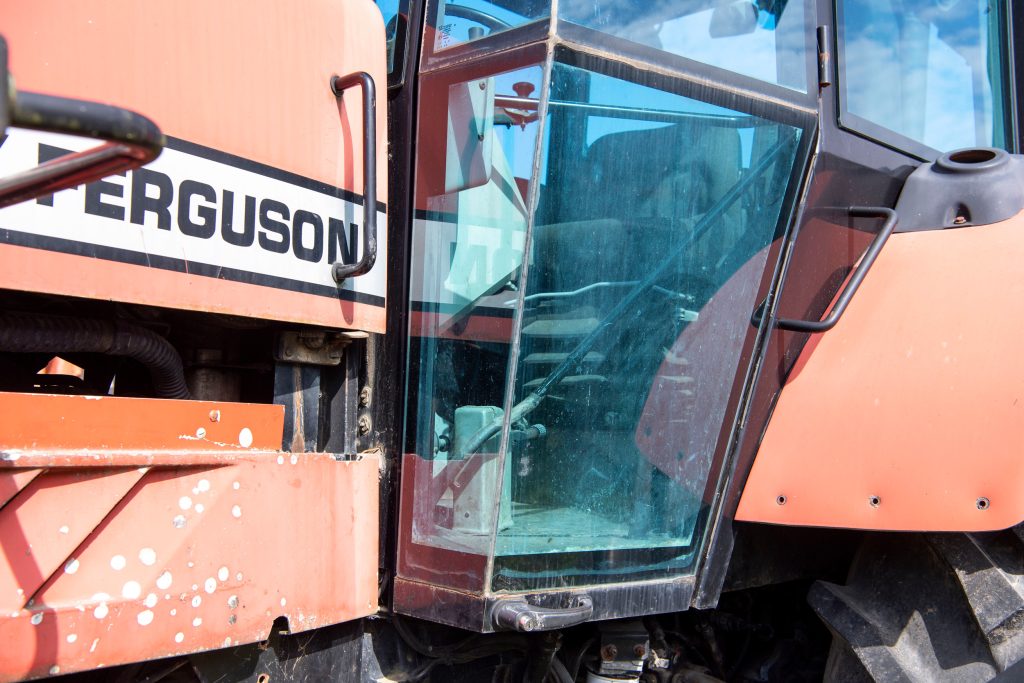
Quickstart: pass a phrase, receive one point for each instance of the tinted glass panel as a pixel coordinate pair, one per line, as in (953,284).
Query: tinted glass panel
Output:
(571,367)
(764,39)
(934,71)
(461,21)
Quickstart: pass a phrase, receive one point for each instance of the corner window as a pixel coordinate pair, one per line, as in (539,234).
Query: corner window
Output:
(925,76)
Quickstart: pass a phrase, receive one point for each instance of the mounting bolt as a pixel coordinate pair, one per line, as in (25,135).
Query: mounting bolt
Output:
(609,652)
(874,501)
(780,500)
(364,397)
(364,424)
(983,503)
(639,651)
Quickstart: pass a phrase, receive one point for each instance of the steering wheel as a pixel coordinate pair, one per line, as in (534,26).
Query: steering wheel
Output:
(462,12)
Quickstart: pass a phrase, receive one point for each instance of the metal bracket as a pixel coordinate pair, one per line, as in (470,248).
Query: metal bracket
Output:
(314,347)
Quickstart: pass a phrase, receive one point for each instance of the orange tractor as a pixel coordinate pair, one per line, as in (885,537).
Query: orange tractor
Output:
(511,340)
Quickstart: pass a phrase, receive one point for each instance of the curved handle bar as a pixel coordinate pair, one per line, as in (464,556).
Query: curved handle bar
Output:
(339,84)
(855,279)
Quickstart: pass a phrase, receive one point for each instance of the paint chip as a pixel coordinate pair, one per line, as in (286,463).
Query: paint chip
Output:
(145,618)
(203,485)
(280,460)
(101,611)
(92,648)
(179,522)
(37,618)
(72,637)
(71,567)
(64,529)
(238,576)
(196,601)
(184,502)
(233,601)
(236,511)
(179,636)
(131,590)
(117,562)
(210,585)
(147,556)
(235,485)
(223,574)
(197,622)
(173,612)
(283,602)
(227,642)
(151,600)
(245,437)
(201,433)
(54,670)
(163,582)
(294,459)
(199,508)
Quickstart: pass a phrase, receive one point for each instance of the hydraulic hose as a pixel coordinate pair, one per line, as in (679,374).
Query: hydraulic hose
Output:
(35,333)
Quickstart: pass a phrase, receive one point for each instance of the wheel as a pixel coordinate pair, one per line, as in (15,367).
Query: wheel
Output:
(927,607)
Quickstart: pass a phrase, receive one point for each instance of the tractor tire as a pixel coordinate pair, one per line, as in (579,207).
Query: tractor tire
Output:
(927,607)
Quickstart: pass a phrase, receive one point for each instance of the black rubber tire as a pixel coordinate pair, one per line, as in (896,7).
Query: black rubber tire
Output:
(927,607)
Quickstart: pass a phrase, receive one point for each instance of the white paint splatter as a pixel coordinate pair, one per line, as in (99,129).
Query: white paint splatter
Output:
(179,522)
(195,586)
(210,585)
(147,556)
(101,611)
(163,582)
(64,529)
(203,485)
(201,433)
(191,564)
(236,511)
(223,574)
(54,670)
(238,576)
(92,648)
(200,508)
(179,636)
(235,485)
(151,600)
(197,622)
(37,618)
(117,562)
(196,601)
(71,567)
(283,602)
(173,612)
(227,642)
(131,590)
(72,637)
(280,460)
(294,459)
(184,502)
(233,601)
(145,618)
(245,437)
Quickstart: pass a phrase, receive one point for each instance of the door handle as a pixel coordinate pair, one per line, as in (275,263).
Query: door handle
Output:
(515,614)
(339,84)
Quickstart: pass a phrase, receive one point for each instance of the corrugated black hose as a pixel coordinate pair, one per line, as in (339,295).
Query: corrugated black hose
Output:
(35,333)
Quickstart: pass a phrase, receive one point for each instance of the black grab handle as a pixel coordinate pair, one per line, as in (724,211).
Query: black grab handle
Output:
(339,84)
(130,140)
(855,279)
(515,614)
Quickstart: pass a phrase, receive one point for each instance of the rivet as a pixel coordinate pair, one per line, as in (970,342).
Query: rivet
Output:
(874,501)
(983,503)
(781,500)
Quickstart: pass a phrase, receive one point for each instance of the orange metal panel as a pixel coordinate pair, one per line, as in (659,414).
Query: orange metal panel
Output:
(248,77)
(118,564)
(909,414)
(13,481)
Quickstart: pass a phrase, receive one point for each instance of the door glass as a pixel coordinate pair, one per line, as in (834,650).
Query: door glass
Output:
(577,329)
(934,71)
(765,39)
